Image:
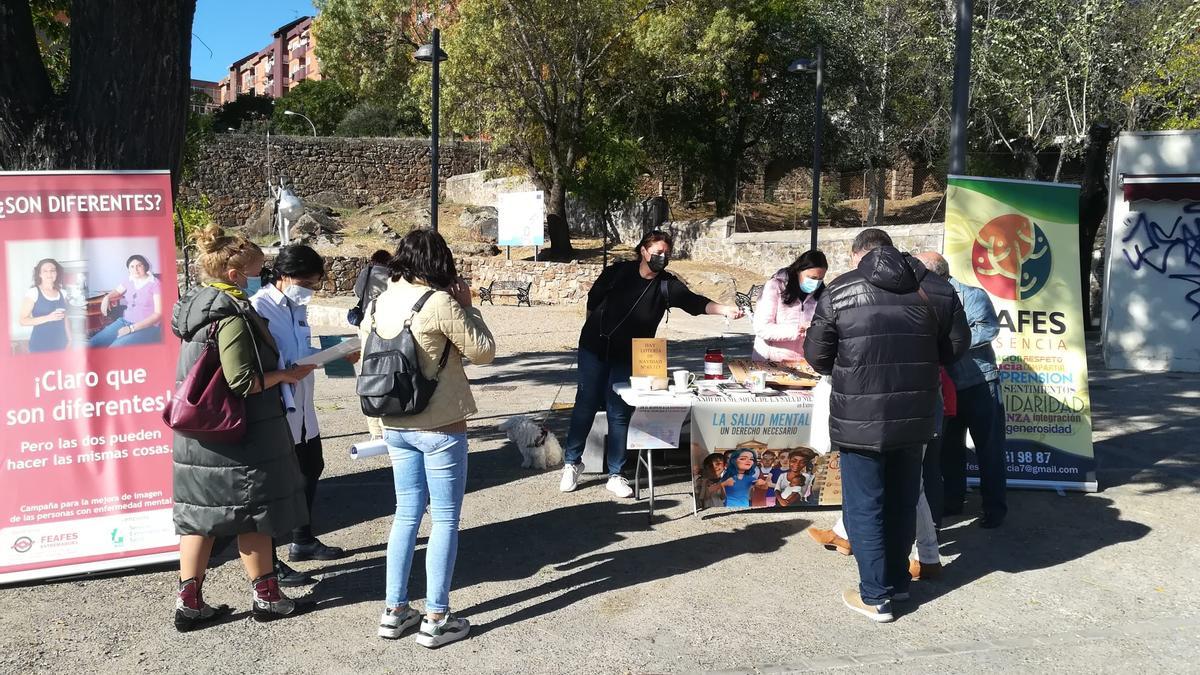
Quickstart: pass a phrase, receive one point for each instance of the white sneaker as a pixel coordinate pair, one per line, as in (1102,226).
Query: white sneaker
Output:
(570,477)
(393,622)
(619,486)
(434,634)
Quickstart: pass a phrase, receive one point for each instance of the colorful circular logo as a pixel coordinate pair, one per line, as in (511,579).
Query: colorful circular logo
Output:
(22,544)
(1011,257)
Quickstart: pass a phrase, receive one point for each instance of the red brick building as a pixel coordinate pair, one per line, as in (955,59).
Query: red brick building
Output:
(290,58)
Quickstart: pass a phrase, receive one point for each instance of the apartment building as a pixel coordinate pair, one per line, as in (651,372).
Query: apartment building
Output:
(290,58)
(206,96)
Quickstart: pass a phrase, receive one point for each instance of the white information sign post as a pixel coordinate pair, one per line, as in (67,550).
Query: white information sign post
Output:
(521,217)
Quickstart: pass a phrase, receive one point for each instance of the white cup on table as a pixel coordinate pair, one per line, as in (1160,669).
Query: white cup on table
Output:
(756,381)
(683,379)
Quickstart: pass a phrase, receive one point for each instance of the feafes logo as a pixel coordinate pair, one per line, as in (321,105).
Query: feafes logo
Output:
(1011,257)
(22,544)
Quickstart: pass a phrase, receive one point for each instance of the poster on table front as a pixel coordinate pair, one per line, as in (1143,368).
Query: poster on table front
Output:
(1019,241)
(755,454)
(85,461)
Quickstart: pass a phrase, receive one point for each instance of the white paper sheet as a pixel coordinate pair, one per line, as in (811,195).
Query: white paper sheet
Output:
(339,351)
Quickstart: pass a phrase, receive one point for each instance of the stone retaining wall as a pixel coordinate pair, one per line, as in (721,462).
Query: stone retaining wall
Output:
(349,172)
(766,252)
(553,283)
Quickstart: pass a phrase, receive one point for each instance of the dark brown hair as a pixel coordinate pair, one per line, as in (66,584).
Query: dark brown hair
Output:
(37,273)
(424,255)
(655,236)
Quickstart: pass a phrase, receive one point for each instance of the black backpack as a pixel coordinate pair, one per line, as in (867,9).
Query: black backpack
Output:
(390,382)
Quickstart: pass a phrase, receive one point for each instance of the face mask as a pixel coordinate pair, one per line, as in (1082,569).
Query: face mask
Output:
(298,294)
(252,285)
(810,285)
(658,262)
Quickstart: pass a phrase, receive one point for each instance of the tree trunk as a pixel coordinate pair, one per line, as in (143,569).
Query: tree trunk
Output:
(126,103)
(1028,157)
(876,196)
(1093,203)
(556,220)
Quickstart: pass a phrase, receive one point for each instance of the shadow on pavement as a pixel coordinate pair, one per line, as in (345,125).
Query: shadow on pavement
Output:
(1042,530)
(1163,457)
(565,540)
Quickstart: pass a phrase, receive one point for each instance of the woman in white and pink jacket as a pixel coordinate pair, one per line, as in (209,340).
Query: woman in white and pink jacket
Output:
(786,307)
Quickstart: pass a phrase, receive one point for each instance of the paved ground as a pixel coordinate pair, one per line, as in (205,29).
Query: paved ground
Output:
(556,583)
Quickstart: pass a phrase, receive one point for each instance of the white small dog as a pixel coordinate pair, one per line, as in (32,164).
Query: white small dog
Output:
(539,447)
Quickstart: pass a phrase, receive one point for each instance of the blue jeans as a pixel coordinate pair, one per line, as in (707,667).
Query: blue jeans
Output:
(879,501)
(428,467)
(108,336)
(593,392)
(981,410)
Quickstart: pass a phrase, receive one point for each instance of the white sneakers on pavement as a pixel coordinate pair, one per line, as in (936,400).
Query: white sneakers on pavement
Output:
(570,480)
(570,477)
(450,628)
(619,486)
(393,622)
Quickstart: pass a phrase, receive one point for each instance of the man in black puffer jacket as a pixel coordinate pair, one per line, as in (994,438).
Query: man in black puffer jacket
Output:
(881,331)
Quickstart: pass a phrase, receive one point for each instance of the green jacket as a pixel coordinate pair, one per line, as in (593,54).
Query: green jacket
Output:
(226,489)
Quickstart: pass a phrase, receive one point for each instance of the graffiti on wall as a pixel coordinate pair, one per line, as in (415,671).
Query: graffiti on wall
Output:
(1173,252)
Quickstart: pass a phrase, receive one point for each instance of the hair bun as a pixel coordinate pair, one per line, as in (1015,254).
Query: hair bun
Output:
(210,238)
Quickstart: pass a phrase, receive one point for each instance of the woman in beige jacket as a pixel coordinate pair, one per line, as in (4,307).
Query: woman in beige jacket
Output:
(429,449)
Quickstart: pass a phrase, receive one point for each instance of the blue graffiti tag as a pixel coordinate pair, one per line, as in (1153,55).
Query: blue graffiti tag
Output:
(1153,246)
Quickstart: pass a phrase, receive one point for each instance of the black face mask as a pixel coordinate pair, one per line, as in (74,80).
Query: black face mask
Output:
(657,263)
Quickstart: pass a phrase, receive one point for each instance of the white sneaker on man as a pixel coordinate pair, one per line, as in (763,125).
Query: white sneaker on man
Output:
(570,477)
(619,486)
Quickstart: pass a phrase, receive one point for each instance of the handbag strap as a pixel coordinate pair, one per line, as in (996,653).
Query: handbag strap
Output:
(212,338)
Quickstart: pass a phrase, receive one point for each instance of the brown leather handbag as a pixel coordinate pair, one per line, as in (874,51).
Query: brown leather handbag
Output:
(204,408)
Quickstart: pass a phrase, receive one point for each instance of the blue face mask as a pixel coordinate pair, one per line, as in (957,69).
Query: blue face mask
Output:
(809,285)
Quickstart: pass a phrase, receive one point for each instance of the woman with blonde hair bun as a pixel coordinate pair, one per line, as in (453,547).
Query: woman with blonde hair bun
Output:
(253,489)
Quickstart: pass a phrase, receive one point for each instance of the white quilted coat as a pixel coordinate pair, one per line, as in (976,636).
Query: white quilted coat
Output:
(441,317)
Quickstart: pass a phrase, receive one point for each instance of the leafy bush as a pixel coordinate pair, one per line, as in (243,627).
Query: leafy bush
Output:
(378,120)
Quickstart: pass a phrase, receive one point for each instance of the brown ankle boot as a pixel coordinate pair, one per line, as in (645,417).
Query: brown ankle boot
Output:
(830,540)
(919,570)
(841,546)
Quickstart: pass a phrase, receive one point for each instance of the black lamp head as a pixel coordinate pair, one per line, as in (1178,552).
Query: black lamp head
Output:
(425,53)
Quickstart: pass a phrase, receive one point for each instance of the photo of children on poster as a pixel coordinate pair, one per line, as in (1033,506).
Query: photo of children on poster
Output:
(87,283)
(753,455)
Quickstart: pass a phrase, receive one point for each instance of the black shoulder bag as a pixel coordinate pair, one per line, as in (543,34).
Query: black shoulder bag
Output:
(390,382)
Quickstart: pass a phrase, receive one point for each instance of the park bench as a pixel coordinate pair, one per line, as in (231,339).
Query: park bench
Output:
(513,288)
(747,301)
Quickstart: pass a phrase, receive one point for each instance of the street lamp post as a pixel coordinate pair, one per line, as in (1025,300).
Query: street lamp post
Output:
(964,11)
(816,65)
(310,122)
(432,53)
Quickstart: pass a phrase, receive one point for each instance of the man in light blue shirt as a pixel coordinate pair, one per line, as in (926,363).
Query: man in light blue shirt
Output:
(980,408)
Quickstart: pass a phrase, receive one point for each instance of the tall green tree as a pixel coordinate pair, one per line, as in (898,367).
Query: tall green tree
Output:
(1045,71)
(530,73)
(1164,92)
(712,92)
(889,79)
(324,102)
(367,45)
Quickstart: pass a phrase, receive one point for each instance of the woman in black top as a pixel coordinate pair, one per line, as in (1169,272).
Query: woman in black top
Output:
(627,301)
